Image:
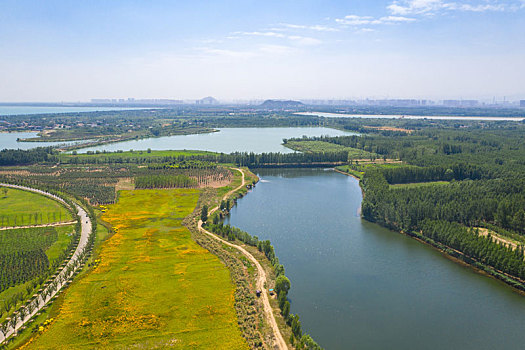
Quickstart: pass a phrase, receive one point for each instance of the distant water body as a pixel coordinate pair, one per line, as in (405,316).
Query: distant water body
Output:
(392,116)
(25,110)
(226,140)
(9,140)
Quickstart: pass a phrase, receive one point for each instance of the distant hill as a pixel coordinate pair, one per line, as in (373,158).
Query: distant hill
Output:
(279,104)
(207,101)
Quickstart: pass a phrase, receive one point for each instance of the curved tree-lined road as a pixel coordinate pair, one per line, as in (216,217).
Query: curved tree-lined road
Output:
(37,303)
(261,279)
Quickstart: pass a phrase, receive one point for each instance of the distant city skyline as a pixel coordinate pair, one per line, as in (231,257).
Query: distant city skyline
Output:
(235,50)
(210,100)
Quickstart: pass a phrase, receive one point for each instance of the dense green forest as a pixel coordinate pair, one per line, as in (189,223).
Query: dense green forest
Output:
(21,157)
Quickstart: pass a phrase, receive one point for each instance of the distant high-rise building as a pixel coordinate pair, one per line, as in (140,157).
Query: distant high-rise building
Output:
(460,103)
(522,103)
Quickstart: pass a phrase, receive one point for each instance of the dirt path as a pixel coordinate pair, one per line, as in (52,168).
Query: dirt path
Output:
(60,280)
(497,238)
(43,225)
(261,279)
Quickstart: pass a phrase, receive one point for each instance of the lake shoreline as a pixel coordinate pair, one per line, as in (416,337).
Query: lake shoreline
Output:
(482,269)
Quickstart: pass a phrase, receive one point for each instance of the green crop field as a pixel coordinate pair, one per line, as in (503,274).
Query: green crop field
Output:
(21,208)
(27,256)
(153,287)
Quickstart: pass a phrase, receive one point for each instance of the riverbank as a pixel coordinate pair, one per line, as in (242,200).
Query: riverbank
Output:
(269,271)
(261,281)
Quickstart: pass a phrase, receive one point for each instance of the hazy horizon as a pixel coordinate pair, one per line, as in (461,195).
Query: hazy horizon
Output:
(424,49)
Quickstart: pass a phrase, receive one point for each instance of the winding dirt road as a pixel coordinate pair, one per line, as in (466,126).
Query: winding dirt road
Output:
(61,279)
(261,279)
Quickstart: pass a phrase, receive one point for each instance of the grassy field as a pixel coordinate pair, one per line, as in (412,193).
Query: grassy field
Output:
(321,146)
(154,287)
(65,234)
(419,184)
(347,169)
(20,208)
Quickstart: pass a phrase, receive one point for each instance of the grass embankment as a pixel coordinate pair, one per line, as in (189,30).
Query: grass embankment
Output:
(322,146)
(359,168)
(23,208)
(153,287)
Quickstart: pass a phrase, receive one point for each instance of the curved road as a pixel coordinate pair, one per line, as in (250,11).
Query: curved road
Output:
(261,279)
(63,276)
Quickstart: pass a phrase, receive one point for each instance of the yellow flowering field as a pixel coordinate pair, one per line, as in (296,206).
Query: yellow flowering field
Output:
(153,287)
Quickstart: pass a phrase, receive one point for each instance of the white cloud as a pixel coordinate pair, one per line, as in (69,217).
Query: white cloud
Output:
(430,7)
(414,6)
(255,52)
(479,8)
(267,34)
(317,27)
(396,19)
(366,30)
(354,20)
(298,39)
(306,41)
(276,49)
(211,51)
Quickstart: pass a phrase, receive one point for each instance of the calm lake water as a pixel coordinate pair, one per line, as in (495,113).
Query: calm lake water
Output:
(22,110)
(357,285)
(9,140)
(384,116)
(227,140)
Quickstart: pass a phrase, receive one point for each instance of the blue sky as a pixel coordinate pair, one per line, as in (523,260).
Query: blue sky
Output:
(77,50)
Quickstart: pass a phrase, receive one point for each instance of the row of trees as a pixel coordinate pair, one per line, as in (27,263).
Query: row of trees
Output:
(482,248)
(238,158)
(185,164)
(165,181)
(22,157)
(20,267)
(282,283)
(30,219)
